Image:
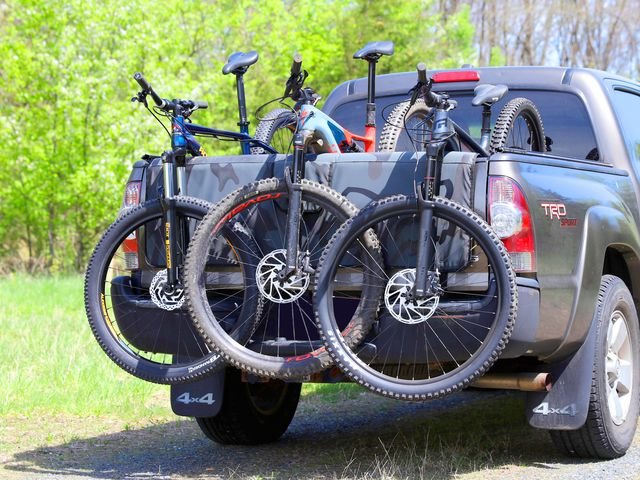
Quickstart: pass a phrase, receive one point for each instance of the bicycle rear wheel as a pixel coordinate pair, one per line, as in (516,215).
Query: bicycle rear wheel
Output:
(426,348)
(519,126)
(276,128)
(140,324)
(286,344)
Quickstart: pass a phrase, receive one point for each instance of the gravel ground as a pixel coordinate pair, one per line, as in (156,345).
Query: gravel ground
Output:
(470,435)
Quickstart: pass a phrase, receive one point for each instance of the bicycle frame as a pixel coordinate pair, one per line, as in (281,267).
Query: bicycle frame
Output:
(313,122)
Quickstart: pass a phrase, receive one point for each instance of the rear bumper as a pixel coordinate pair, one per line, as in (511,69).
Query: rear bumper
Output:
(523,341)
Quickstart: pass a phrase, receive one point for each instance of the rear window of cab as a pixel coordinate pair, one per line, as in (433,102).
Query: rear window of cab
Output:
(564,116)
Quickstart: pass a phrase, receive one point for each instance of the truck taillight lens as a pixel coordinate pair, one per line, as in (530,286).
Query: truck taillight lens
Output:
(511,220)
(130,245)
(132,194)
(130,250)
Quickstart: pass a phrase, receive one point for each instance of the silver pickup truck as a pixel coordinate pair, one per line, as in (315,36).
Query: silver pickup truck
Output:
(575,347)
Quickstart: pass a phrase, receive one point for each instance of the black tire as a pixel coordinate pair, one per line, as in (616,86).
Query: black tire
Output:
(286,344)
(408,128)
(519,126)
(252,413)
(276,128)
(440,345)
(608,431)
(149,342)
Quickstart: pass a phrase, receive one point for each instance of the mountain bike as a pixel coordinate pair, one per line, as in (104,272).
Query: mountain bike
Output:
(440,306)
(290,219)
(134,282)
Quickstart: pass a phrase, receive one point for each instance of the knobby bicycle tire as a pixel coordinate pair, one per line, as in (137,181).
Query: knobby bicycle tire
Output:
(518,126)
(424,349)
(276,128)
(286,344)
(149,342)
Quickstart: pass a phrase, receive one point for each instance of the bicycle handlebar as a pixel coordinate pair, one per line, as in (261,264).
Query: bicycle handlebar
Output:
(423,87)
(138,77)
(422,72)
(161,102)
(296,66)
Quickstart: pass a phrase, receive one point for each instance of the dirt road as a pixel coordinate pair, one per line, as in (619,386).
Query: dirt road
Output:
(471,435)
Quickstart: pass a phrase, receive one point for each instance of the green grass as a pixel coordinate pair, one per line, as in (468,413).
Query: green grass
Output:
(51,362)
(53,365)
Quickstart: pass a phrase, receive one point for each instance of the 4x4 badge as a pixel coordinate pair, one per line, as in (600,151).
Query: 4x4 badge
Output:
(545,409)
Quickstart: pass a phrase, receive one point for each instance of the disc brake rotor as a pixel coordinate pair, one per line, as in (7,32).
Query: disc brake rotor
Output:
(166,300)
(397,299)
(272,287)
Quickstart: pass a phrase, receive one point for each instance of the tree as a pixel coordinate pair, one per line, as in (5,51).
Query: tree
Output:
(70,133)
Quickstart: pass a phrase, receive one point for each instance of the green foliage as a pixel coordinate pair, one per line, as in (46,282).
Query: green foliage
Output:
(70,134)
(53,365)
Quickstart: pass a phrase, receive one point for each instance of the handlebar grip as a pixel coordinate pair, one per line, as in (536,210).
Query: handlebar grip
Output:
(138,77)
(200,104)
(296,67)
(422,72)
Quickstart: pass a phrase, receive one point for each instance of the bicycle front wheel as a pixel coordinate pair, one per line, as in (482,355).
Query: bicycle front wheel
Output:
(421,347)
(141,323)
(286,343)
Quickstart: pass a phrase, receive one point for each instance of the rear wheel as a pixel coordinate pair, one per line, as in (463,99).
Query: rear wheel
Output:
(519,126)
(252,413)
(615,388)
(276,128)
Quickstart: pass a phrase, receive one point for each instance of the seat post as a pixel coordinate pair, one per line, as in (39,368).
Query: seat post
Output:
(242,104)
(371,92)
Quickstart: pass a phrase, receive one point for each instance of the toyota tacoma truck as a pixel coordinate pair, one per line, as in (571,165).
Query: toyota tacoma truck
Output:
(575,246)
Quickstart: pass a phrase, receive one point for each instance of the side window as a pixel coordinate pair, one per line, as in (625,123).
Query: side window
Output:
(627,107)
(566,124)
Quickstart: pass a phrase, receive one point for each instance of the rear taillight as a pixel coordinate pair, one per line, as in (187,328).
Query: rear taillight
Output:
(511,220)
(130,250)
(130,245)
(131,194)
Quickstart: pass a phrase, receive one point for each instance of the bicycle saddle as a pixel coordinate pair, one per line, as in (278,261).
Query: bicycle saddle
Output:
(239,62)
(487,94)
(374,50)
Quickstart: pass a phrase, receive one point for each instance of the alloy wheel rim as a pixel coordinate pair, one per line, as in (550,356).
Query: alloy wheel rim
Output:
(618,368)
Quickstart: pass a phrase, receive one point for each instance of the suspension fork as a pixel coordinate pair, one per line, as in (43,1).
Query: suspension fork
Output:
(426,192)
(293,179)
(169,217)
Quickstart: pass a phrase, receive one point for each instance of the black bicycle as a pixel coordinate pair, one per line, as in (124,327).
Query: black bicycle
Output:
(439,303)
(290,219)
(134,281)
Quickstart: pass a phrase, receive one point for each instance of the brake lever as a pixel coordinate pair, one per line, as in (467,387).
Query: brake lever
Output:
(295,84)
(140,97)
(420,89)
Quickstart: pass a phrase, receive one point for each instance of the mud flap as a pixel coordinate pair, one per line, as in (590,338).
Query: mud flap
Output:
(565,407)
(199,399)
